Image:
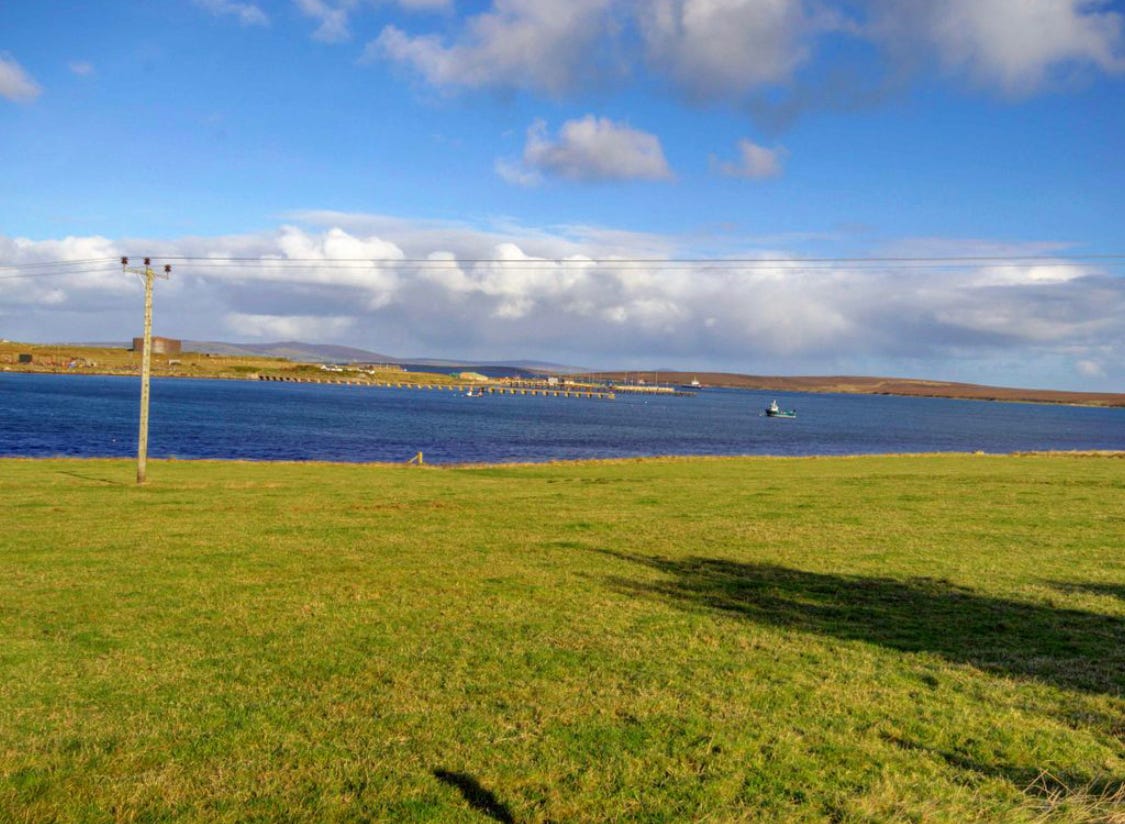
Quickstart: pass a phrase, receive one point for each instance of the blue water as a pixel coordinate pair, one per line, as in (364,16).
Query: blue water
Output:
(89,416)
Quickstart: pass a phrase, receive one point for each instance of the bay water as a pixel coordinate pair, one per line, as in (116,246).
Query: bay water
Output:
(96,416)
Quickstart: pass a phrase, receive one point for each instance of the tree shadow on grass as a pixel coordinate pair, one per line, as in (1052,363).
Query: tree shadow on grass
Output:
(1066,648)
(477,797)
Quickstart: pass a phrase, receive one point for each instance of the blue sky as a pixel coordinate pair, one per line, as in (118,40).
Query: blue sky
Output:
(580,135)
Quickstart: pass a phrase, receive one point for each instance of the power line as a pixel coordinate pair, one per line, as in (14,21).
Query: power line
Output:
(610,261)
(635,265)
(66,273)
(65,268)
(63,262)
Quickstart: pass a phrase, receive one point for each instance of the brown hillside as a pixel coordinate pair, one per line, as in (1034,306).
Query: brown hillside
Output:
(879,386)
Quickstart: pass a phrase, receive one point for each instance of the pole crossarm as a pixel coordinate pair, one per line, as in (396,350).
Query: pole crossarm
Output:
(147,271)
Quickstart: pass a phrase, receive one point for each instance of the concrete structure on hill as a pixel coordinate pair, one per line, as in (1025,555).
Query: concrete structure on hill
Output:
(160,346)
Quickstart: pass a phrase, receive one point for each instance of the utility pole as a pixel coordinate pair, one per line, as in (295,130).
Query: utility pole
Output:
(146,358)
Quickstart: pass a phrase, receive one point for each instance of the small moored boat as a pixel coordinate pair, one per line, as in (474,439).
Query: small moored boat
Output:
(775,411)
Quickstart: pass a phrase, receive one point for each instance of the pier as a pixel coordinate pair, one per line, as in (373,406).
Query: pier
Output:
(636,389)
(460,388)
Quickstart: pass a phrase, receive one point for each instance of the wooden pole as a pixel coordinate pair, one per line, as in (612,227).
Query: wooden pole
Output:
(146,373)
(146,361)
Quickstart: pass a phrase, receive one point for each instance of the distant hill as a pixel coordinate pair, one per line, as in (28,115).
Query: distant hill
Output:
(321,353)
(521,366)
(324,353)
(292,350)
(879,386)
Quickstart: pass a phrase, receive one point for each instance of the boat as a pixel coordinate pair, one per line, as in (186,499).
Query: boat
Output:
(478,394)
(775,411)
(694,386)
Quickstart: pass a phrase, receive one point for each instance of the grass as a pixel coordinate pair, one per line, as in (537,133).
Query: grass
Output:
(73,359)
(104,360)
(935,638)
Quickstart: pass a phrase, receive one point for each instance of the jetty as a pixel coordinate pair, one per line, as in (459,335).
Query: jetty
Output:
(519,388)
(645,389)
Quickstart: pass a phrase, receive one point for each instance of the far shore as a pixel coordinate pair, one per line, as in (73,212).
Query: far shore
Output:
(909,387)
(72,359)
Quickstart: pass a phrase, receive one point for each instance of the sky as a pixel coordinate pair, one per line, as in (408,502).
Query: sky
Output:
(912,188)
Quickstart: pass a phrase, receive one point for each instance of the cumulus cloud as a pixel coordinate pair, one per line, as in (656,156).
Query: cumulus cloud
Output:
(15,83)
(709,49)
(52,271)
(333,19)
(287,327)
(591,149)
(734,51)
(1012,45)
(754,162)
(716,49)
(248,14)
(584,295)
(552,46)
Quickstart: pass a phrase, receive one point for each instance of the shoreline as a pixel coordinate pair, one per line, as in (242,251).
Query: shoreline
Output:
(77,359)
(1077,454)
(903,388)
(893,387)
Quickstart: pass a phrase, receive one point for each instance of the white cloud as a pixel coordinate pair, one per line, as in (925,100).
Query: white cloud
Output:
(709,49)
(731,51)
(82,68)
(587,295)
(1015,43)
(517,174)
(1030,273)
(333,266)
(15,83)
(754,162)
(590,148)
(1011,45)
(333,19)
(248,14)
(716,49)
(1090,369)
(45,285)
(287,327)
(551,46)
(425,5)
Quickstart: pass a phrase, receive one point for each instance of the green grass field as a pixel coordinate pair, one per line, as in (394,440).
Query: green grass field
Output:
(937,638)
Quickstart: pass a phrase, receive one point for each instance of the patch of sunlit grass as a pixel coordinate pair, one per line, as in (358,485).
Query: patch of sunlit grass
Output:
(908,638)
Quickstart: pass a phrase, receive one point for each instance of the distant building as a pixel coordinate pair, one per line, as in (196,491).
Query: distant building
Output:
(160,346)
